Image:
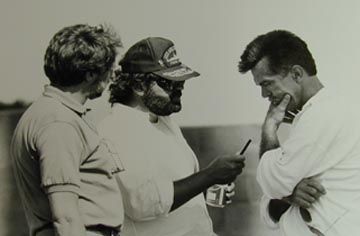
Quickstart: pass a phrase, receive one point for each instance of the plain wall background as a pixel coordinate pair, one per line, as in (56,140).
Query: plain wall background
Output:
(209,36)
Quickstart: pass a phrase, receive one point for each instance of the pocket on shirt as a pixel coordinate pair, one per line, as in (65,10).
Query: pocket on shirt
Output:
(346,224)
(334,215)
(116,163)
(104,159)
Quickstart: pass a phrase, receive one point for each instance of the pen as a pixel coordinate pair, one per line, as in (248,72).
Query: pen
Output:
(245,147)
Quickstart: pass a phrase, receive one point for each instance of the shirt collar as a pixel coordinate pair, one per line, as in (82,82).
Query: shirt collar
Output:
(65,99)
(320,95)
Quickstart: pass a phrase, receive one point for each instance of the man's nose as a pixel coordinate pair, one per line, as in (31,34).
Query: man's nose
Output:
(179,85)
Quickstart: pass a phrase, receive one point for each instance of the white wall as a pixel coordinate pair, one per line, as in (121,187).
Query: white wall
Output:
(209,35)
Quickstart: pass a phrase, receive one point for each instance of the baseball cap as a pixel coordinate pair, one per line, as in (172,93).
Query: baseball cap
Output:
(156,55)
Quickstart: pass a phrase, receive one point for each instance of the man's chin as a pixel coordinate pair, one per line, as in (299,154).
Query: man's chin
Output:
(176,108)
(167,112)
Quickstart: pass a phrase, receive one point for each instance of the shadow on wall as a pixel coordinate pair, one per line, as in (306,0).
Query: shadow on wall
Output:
(241,217)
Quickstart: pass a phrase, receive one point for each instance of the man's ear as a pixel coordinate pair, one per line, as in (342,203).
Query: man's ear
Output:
(90,77)
(297,73)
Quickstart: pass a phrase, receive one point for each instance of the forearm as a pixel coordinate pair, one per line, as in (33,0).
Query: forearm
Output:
(187,188)
(66,215)
(269,138)
(69,227)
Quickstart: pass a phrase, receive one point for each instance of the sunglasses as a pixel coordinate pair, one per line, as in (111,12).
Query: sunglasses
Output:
(168,85)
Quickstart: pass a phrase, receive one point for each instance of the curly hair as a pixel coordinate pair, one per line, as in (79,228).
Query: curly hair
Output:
(121,90)
(78,49)
(283,49)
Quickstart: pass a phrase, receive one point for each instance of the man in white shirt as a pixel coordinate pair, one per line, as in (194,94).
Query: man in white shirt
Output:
(324,142)
(162,185)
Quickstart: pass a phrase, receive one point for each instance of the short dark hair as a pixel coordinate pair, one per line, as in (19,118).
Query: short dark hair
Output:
(78,49)
(283,49)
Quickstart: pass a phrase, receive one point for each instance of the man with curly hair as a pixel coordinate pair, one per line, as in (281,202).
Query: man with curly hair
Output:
(162,185)
(65,173)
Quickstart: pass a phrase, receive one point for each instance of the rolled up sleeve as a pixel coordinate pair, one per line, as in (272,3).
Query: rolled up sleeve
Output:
(281,169)
(274,181)
(60,153)
(146,198)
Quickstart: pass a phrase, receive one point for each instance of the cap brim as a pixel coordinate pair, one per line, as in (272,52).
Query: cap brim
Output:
(177,73)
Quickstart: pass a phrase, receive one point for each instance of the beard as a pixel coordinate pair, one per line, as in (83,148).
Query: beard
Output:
(163,105)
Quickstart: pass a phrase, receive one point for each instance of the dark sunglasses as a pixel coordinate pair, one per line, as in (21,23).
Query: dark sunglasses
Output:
(168,84)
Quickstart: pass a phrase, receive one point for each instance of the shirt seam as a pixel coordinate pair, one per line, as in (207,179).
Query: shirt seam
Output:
(42,129)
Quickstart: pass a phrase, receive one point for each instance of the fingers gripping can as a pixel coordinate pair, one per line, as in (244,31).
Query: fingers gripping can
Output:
(216,195)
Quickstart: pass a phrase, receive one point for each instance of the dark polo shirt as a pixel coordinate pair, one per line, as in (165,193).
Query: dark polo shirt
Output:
(56,149)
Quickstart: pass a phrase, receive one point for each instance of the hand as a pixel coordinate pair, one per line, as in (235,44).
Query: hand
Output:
(276,114)
(306,192)
(224,170)
(229,192)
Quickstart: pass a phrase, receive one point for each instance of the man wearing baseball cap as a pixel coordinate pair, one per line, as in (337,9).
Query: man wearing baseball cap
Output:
(162,183)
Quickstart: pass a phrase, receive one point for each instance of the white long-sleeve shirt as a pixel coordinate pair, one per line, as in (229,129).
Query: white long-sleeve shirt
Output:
(324,142)
(154,155)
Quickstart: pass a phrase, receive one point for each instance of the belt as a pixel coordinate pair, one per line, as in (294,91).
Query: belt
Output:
(103,230)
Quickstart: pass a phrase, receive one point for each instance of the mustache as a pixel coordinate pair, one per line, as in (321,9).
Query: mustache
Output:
(176,94)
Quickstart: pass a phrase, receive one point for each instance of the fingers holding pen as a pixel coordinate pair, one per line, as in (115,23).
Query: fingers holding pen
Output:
(226,168)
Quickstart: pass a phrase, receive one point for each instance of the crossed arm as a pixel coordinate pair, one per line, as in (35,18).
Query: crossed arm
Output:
(308,190)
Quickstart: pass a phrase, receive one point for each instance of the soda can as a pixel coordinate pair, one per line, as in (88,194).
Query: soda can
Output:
(215,195)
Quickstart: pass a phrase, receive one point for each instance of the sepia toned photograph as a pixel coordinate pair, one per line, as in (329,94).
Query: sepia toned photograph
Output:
(179,118)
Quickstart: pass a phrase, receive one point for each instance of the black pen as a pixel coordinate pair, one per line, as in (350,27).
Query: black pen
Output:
(245,147)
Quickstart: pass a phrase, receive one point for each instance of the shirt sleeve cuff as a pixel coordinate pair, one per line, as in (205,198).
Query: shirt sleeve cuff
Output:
(270,175)
(62,188)
(264,213)
(166,194)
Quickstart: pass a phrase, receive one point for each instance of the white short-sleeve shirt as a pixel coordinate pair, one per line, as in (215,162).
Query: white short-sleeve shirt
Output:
(154,155)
